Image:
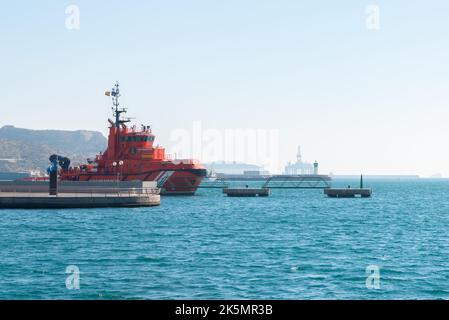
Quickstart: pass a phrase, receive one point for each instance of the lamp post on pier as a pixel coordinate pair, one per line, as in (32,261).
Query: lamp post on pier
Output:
(120,174)
(114,164)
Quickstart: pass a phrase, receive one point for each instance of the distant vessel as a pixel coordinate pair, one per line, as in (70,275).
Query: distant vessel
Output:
(235,171)
(10,176)
(131,155)
(19,175)
(231,167)
(211,176)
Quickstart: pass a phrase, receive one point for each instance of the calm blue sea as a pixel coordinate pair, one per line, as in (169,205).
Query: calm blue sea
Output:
(296,244)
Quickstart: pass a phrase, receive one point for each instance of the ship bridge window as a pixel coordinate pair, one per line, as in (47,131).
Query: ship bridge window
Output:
(146,138)
(137,138)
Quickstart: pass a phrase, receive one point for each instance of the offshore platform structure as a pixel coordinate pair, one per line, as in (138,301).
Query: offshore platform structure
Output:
(299,175)
(301,167)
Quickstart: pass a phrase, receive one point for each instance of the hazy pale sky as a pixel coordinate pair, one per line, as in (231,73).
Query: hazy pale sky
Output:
(356,99)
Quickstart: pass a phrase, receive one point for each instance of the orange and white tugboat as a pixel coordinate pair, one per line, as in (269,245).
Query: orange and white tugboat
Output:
(131,155)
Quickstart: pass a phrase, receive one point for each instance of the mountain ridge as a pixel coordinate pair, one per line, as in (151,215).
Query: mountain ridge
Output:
(27,149)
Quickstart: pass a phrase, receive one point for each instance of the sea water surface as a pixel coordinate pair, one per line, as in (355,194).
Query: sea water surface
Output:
(295,244)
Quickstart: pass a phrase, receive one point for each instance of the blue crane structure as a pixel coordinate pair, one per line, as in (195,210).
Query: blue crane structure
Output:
(52,171)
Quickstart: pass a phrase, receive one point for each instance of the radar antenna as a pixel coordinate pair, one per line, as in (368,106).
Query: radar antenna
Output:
(115,93)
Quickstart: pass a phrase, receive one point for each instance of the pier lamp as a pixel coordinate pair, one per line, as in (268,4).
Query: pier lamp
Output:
(120,163)
(114,164)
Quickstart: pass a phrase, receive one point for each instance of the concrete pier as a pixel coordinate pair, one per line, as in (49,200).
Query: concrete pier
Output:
(347,192)
(246,192)
(76,194)
(37,200)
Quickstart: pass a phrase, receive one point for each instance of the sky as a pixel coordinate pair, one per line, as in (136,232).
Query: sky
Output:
(357,99)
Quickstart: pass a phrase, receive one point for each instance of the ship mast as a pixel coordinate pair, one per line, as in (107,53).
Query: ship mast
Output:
(116,111)
(115,93)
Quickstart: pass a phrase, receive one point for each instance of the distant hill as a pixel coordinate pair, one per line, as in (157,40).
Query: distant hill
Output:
(25,149)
